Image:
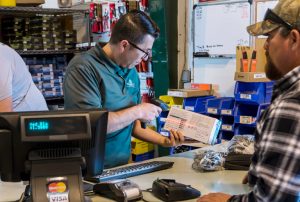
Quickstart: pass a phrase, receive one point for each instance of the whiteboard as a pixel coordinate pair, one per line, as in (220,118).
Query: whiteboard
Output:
(261,8)
(219,28)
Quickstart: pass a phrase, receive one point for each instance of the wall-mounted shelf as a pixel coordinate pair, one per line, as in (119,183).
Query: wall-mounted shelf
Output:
(39,10)
(47,52)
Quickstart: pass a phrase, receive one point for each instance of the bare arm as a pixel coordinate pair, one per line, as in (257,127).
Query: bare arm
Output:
(149,135)
(6,105)
(120,119)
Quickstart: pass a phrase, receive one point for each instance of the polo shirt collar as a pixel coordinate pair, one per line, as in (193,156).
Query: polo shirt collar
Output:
(110,65)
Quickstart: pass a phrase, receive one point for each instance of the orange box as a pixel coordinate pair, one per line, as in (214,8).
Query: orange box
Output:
(255,72)
(201,86)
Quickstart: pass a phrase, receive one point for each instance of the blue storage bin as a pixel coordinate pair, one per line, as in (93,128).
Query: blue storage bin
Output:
(227,123)
(253,92)
(189,103)
(161,120)
(227,107)
(200,106)
(213,106)
(143,157)
(248,114)
(241,129)
(226,135)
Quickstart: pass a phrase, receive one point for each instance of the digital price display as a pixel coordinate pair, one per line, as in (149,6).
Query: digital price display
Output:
(55,127)
(38,125)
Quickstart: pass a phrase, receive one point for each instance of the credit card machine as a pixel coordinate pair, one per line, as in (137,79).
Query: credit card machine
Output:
(119,190)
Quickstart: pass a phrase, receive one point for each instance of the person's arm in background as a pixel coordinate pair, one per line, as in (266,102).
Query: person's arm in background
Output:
(6,105)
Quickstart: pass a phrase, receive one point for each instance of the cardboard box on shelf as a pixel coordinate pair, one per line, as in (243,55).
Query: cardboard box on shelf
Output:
(250,63)
(29,2)
(189,92)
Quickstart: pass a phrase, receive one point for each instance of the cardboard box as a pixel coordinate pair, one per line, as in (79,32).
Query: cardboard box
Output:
(189,92)
(248,69)
(29,2)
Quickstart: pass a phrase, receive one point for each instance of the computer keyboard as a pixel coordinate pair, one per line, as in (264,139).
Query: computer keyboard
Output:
(131,170)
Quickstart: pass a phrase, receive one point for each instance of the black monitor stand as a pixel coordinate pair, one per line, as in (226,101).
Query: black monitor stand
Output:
(56,175)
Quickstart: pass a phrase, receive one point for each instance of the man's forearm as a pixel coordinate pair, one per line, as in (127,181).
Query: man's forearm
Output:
(147,134)
(121,119)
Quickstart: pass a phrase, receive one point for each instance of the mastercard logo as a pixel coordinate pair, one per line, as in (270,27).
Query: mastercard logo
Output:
(57,187)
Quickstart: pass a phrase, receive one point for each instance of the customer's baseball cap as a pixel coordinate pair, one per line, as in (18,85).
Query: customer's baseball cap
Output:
(286,13)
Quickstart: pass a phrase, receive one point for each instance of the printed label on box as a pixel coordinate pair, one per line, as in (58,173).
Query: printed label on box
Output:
(226,127)
(246,119)
(226,112)
(259,76)
(245,96)
(212,110)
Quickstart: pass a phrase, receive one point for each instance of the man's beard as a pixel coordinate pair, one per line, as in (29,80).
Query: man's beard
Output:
(271,70)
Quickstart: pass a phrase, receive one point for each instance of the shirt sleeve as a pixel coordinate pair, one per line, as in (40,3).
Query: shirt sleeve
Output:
(277,169)
(6,76)
(81,89)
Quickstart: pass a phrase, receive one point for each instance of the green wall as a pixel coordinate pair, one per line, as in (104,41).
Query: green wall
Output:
(164,62)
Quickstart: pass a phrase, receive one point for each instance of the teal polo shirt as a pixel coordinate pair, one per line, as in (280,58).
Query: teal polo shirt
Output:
(92,81)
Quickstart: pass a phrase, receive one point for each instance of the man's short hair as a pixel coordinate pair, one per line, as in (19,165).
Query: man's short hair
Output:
(134,26)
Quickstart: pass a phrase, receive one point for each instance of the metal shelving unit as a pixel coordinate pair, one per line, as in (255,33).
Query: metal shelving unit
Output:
(39,10)
(47,52)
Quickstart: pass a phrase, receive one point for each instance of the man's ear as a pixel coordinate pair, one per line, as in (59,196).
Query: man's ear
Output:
(123,44)
(295,40)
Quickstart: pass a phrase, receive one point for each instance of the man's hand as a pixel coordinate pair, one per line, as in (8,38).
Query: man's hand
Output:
(176,138)
(147,112)
(214,197)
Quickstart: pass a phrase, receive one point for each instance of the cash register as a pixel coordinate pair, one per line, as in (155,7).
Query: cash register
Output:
(53,150)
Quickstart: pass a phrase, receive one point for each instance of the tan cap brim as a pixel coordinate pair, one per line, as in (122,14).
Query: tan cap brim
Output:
(262,28)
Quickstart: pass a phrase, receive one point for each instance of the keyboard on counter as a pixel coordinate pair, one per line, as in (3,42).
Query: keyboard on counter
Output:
(130,171)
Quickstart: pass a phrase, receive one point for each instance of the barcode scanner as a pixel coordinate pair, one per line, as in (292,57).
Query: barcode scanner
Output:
(159,103)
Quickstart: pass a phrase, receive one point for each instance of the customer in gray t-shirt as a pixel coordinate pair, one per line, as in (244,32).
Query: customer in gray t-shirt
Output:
(17,90)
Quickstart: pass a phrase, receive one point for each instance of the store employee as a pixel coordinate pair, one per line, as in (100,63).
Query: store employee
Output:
(17,90)
(106,78)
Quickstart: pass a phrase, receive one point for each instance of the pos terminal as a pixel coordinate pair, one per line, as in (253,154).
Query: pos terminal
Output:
(52,149)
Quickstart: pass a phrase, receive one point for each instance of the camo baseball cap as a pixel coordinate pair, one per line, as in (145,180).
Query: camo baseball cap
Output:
(286,13)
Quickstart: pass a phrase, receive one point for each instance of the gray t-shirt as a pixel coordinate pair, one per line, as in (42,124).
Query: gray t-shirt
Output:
(16,82)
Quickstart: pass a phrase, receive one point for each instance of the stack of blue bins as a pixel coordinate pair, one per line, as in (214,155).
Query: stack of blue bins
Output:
(222,109)
(227,118)
(252,98)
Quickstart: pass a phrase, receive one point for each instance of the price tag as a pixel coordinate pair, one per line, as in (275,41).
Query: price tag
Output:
(212,110)
(245,96)
(246,119)
(227,127)
(226,112)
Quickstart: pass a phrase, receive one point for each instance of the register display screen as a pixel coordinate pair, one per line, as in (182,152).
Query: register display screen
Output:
(50,126)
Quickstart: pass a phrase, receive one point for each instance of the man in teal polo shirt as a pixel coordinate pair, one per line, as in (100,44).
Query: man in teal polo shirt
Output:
(106,78)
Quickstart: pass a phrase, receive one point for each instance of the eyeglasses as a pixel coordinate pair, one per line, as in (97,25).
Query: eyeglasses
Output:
(273,17)
(147,53)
